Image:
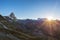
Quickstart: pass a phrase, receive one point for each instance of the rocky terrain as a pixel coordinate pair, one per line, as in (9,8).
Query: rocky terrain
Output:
(12,28)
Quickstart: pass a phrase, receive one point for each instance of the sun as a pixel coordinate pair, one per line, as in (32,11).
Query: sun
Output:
(49,18)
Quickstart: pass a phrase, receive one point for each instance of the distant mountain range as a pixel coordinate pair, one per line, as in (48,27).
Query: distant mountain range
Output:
(12,28)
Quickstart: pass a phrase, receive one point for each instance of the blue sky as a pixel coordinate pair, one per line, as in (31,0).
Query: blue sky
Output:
(32,9)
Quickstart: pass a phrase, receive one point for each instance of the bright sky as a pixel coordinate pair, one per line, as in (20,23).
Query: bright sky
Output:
(31,8)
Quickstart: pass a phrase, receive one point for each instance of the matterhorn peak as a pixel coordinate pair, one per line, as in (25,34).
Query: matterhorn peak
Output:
(12,16)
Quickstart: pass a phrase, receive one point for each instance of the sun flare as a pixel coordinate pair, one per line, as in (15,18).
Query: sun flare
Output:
(49,18)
